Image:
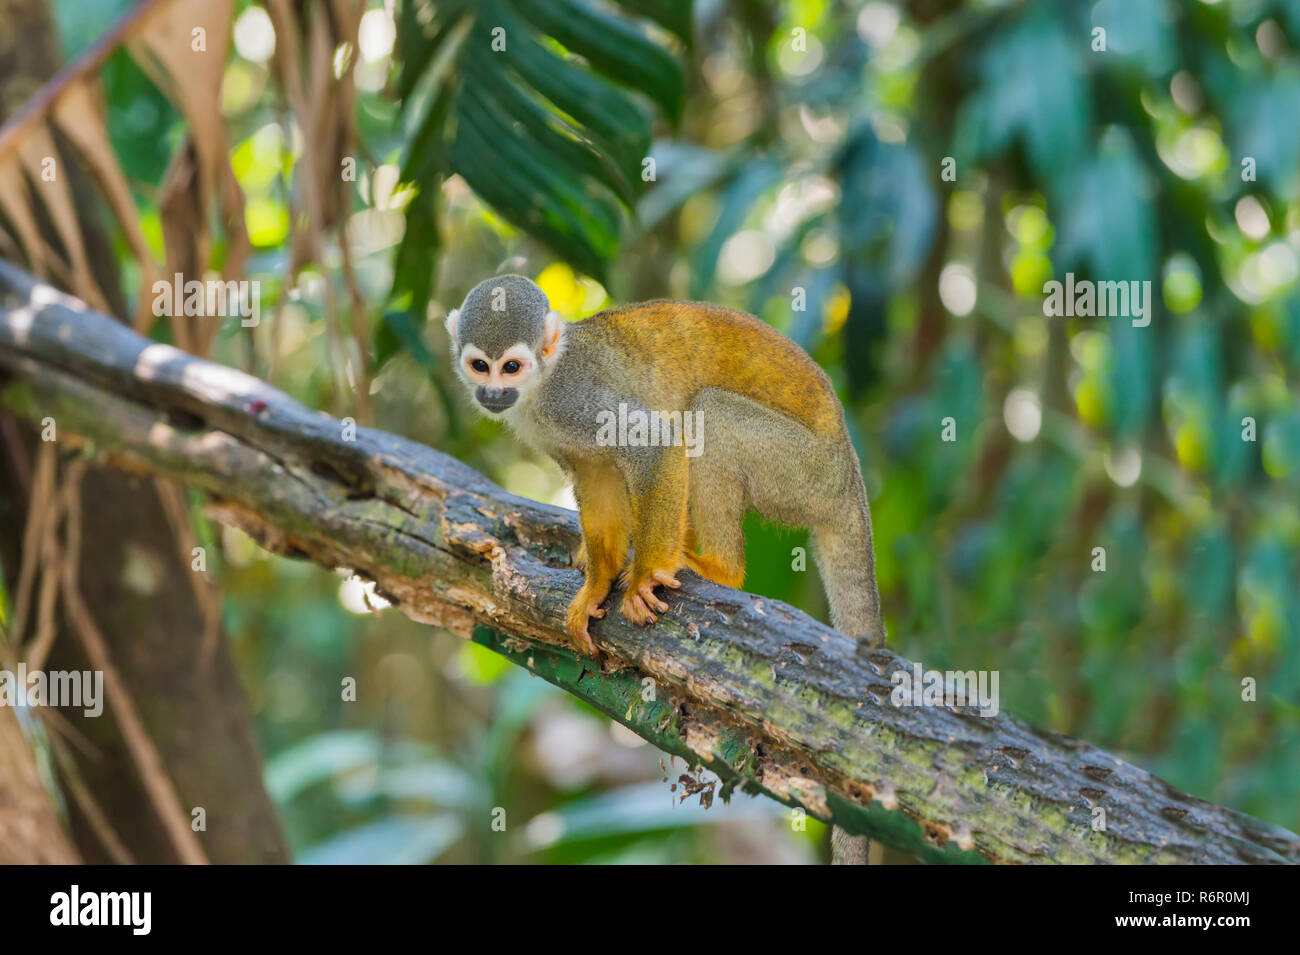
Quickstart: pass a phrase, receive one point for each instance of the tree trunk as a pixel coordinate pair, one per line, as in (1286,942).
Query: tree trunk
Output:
(30,832)
(138,591)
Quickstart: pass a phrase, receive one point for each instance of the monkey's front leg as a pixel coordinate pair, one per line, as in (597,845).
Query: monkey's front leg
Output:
(605,517)
(659,531)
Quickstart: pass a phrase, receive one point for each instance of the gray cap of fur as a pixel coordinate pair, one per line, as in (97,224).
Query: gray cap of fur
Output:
(502,311)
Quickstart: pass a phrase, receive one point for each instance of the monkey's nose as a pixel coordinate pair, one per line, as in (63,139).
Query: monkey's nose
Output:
(496,399)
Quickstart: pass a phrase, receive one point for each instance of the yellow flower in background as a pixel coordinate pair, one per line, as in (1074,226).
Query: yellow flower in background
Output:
(836,311)
(571,296)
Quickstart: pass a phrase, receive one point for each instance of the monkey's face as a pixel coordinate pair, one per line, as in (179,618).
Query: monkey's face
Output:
(498,382)
(503,379)
(503,339)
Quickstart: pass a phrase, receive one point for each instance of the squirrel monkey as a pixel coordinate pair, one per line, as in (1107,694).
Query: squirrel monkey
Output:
(774,441)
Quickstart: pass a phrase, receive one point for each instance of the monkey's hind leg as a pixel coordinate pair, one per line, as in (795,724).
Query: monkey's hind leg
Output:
(712,568)
(718,496)
(717,512)
(658,484)
(605,516)
(715,561)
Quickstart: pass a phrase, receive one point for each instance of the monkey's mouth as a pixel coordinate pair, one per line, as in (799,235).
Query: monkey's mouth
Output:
(496,400)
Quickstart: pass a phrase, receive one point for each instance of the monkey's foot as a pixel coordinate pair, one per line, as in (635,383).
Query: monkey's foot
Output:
(584,607)
(640,602)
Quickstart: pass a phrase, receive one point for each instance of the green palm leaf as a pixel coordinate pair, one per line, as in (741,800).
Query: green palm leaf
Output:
(544,107)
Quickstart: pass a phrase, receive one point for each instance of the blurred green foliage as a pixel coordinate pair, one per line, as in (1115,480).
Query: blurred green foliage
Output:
(799,155)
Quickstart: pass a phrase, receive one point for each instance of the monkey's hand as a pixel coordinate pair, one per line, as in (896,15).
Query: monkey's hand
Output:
(639,601)
(585,606)
(580,556)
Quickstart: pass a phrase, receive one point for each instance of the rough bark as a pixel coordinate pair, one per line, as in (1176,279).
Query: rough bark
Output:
(749,687)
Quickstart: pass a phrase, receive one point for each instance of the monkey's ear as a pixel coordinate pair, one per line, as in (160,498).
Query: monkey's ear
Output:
(453,320)
(552,330)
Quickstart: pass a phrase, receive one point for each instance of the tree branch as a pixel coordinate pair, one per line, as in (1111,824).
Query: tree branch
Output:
(751,688)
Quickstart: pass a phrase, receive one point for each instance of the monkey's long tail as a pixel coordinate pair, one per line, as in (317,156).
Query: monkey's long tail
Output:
(847,565)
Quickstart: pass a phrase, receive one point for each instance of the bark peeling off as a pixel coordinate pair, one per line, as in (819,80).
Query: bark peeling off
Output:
(749,687)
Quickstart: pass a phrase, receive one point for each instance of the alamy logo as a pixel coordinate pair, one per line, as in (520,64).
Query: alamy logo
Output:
(921,687)
(650,429)
(1088,299)
(133,909)
(211,299)
(83,688)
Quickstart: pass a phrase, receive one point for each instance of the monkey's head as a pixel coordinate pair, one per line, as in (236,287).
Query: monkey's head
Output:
(503,338)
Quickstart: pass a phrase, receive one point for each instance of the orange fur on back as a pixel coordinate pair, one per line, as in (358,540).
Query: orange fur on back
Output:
(688,346)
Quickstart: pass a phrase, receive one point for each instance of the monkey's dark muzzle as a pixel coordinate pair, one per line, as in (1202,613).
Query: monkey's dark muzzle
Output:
(496,399)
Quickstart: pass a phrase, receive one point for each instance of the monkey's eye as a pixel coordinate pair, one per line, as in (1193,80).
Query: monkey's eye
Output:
(511,367)
(479,365)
